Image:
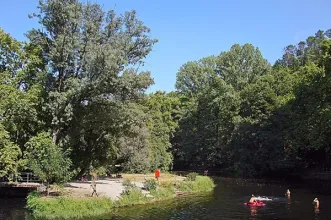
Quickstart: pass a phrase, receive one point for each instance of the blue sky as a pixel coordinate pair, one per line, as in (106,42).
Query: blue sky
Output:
(191,29)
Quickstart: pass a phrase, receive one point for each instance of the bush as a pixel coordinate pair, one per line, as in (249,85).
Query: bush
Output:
(150,184)
(201,184)
(191,176)
(47,160)
(132,196)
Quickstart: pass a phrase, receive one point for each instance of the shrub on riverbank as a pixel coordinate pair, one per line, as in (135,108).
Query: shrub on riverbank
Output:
(201,184)
(191,176)
(131,196)
(78,208)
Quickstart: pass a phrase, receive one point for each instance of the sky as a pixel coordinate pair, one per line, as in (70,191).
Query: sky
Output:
(188,30)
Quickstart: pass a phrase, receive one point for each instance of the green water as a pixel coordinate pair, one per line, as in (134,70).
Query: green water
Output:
(226,202)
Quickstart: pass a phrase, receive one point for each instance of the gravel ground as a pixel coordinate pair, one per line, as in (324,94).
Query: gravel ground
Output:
(111,188)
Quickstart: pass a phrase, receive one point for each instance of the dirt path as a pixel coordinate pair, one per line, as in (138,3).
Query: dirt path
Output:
(111,188)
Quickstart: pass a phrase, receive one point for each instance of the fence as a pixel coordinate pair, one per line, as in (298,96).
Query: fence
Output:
(24,177)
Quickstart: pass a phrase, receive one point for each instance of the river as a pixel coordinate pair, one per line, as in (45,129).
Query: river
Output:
(226,202)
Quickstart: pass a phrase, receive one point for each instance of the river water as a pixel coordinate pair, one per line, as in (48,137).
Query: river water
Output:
(226,202)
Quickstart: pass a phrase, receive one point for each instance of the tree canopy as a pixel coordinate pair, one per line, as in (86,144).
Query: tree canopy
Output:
(72,99)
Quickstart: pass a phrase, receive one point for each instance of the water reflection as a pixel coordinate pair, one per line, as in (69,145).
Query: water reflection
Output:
(253,212)
(12,209)
(226,202)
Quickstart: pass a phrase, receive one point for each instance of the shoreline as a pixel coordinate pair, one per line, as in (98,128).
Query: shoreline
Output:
(67,207)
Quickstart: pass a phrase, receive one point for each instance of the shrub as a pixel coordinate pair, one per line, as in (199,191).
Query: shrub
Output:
(127,183)
(47,160)
(131,196)
(150,184)
(191,176)
(201,184)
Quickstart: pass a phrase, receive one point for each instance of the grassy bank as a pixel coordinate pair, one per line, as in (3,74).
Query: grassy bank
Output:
(64,207)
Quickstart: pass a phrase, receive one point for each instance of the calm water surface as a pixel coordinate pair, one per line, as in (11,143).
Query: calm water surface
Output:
(226,202)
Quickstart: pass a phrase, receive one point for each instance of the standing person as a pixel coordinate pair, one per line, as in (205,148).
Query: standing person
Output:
(288,193)
(157,174)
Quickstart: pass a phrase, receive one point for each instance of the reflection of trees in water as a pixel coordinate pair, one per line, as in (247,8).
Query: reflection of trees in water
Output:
(12,209)
(186,207)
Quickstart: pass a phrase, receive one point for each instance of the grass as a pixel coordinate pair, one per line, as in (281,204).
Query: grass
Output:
(165,177)
(201,184)
(64,207)
(133,196)
(163,193)
(68,207)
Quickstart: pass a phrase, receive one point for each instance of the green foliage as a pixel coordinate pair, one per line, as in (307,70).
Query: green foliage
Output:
(77,78)
(191,176)
(164,110)
(10,156)
(90,81)
(47,160)
(242,65)
(132,196)
(163,193)
(150,184)
(201,184)
(248,119)
(67,208)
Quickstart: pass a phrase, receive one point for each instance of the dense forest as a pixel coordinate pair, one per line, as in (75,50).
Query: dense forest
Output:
(72,101)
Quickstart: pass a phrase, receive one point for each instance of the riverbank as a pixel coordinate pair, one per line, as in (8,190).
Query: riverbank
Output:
(69,206)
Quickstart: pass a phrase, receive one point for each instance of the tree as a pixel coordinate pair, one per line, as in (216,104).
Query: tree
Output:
(89,56)
(193,76)
(207,124)
(10,156)
(47,160)
(163,111)
(241,65)
(132,146)
(20,88)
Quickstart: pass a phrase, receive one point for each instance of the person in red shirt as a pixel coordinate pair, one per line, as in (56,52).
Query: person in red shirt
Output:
(157,174)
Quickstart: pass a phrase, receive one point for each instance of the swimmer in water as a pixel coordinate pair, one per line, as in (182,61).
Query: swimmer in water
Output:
(253,199)
(288,193)
(316,203)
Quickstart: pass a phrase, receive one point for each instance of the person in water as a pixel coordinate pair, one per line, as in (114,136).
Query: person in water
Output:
(288,193)
(316,203)
(253,199)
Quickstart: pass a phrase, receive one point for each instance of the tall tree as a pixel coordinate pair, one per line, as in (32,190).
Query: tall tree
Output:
(88,54)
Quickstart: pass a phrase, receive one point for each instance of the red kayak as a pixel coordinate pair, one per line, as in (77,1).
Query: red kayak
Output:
(255,204)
